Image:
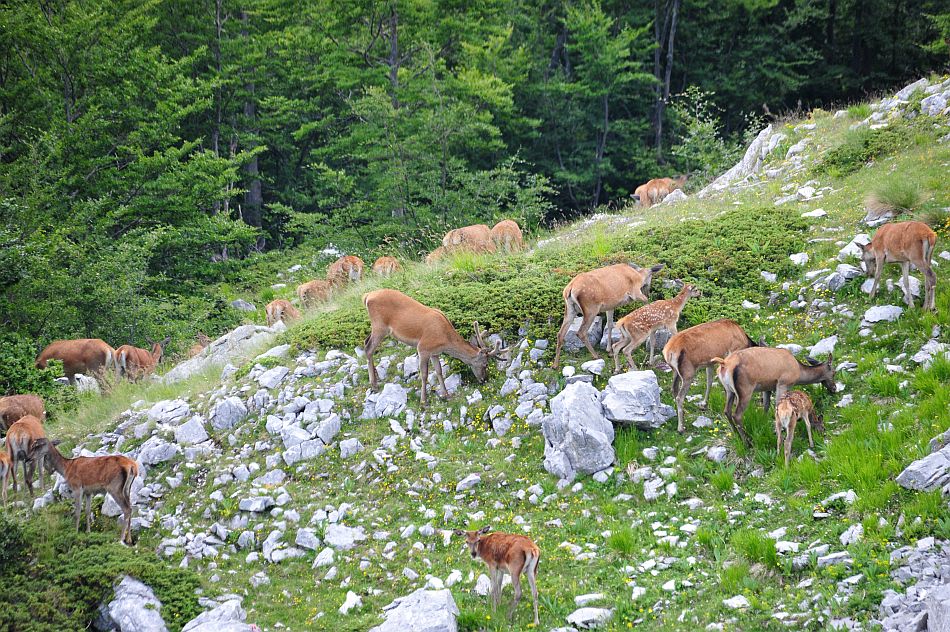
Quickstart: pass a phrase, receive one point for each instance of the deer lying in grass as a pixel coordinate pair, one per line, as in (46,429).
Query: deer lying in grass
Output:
(13,408)
(313,292)
(655,190)
(506,553)
(905,243)
(789,409)
(136,363)
(280,309)
(89,356)
(20,438)
(507,236)
(88,475)
(601,290)
(345,270)
(202,343)
(643,322)
(6,469)
(392,313)
(475,238)
(766,370)
(694,348)
(385,266)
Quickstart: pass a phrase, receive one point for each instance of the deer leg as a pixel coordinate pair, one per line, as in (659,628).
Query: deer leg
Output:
(6,475)
(369,346)
(878,268)
(789,437)
(437,365)
(680,403)
(126,535)
(516,581)
(609,327)
(780,390)
(28,475)
(496,579)
(533,584)
(811,443)
(908,295)
(569,316)
(709,382)
(88,513)
(741,406)
(582,333)
(424,374)
(930,287)
(78,499)
(16,486)
(778,435)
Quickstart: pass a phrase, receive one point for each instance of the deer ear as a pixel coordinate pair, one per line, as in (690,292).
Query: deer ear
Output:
(484,530)
(38,444)
(56,442)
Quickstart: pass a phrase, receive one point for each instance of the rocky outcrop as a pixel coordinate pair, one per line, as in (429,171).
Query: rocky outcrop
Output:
(578,438)
(421,611)
(232,347)
(929,473)
(751,163)
(133,608)
(633,398)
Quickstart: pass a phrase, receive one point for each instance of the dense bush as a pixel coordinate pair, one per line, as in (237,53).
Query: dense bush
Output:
(18,372)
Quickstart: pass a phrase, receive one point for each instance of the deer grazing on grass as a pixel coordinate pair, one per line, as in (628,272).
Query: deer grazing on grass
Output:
(313,292)
(655,190)
(506,553)
(475,238)
(136,363)
(507,237)
(694,348)
(202,343)
(89,356)
(436,255)
(20,438)
(766,370)
(88,475)
(345,270)
(386,266)
(601,290)
(643,322)
(13,408)
(280,309)
(392,313)
(789,409)
(905,243)
(6,469)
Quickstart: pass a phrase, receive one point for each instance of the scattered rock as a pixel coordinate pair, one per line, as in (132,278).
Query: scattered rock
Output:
(134,608)
(590,618)
(390,402)
(421,611)
(578,437)
(633,398)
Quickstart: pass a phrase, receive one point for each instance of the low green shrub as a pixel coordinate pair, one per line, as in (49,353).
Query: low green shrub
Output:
(755,547)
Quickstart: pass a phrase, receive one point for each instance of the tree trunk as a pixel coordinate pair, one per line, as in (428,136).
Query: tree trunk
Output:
(218,105)
(253,199)
(663,75)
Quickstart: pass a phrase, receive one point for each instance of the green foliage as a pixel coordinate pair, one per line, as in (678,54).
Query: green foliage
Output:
(700,146)
(755,546)
(864,145)
(624,541)
(18,372)
(723,479)
(859,111)
(900,193)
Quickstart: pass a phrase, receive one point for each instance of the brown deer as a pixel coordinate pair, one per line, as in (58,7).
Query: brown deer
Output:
(281,309)
(694,348)
(6,469)
(905,243)
(643,322)
(386,266)
(507,237)
(475,238)
(136,363)
(436,255)
(313,292)
(345,270)
(89,356)
(15,407)
(766,370)
(601,290)
(392,313)
(789,409)
(88,475)
(202,343)
(20,437)
(506,553)
(655,190)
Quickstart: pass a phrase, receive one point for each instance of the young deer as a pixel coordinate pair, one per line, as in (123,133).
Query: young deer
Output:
(20,438)
(88,475)
(344,270)
(89,356)
(694,348)
(393,313)
(792,407)
(655,190)
(764,369)
(281,309)
(601,290)
(385,266)
(13,408)
(475,238)
(202,343)
(905,243)
(136,363)
(507,236)
(506,553)
(643,322)
(313,292)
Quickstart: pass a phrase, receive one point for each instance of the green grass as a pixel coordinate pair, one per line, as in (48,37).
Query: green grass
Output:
(859,111)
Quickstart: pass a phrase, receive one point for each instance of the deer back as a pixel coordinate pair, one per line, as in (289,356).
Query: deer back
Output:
(502,550)
(15,407)
(904,241)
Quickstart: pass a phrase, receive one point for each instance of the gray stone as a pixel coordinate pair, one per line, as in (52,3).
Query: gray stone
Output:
(307,538)
(578,438)
(191,432)
(824,346)
(86,384)
(349,447)
(933,106)
(468,482)
(232,348)
(390,402)
(882,313)
(907,91)
(717,453)
(573,343)
(324,558)
(169,411)
(272,377)
(329,428)
(938,608)
(590,618)
(134,608)
(227,617)
(421,611)
(228,413)
(675,197)
(633,398)
(243,305)
(853,249)
(304,451)
(156,450)
(752,162)
(595,366)
(929,473)
(256,504)
(342,537)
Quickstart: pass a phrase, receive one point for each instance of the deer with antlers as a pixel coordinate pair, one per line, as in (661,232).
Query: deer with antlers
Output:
(89,356)
(789,409)
(506,553)
(136,363)
(392,313)
(643,322)
(905,243)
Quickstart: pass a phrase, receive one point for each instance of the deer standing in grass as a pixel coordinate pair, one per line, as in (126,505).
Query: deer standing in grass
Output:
(766,370)
(20,437)
(280,309)
(202,343)
(506,553)
(88,475)
(653,191)
(643,322)
(694,348)
(789,409)
(136,363)
(475,238)
(345,270)
(313,292)
(386,266)
(13,408)
(905,243)
(392,313)
(507,236)
(601,290)
(89,356)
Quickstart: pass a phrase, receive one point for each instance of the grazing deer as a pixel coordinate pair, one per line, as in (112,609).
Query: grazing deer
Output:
(385,266)
(13,408)
(88,475)
(20,438)
(436,255)
(136,363)
(506,553)
(694,348)
(345,270)
(6,469)
(791,407)
(89,356)
(905,243)
(643,322)
(313,292)
(280,309)
(766,370)
(655,190)
(475,238)
(507,237)
(201,345)
(393,313)
(601,290)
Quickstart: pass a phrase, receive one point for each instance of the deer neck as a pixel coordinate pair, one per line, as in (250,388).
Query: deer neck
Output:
(57,460)
(461,349)
(812,374)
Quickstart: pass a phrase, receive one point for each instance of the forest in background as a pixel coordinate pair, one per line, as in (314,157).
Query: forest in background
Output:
(153,149)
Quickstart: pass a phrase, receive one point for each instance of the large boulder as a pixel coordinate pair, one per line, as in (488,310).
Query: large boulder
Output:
(633,398)
(227,617)
(390,402)
(342,537)
(134,608)
(157,450)
(578,437)
(751,163)
(227,413)
(421,611)
(191,432)
(233,347)
(929,473)
(938,608)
